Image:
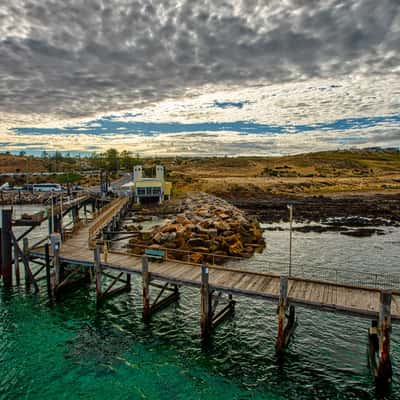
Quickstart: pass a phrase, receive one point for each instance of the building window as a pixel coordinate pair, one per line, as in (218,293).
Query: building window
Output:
(148,192)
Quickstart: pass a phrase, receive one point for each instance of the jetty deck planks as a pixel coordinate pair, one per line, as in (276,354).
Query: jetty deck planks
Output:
(342,298)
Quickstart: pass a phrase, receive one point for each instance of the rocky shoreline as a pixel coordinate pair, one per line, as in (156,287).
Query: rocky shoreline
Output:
(356,215)
(202,225)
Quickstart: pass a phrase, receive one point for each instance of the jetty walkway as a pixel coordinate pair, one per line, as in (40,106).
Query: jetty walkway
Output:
(85,248)
(342,297)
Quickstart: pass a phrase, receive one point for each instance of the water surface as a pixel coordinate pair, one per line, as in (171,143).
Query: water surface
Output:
(69,349)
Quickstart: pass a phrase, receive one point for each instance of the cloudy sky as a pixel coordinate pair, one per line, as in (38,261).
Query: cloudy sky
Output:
(199,77)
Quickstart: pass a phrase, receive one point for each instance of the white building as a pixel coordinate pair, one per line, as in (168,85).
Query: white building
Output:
(150,189)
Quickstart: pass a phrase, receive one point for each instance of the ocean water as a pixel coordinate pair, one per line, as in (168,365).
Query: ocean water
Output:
(69,349)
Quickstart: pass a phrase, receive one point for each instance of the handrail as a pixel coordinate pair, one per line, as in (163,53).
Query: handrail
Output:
(67,204)
(105,216)
(188,253)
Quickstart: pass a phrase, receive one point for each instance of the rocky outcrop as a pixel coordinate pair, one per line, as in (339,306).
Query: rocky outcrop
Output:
(205,228)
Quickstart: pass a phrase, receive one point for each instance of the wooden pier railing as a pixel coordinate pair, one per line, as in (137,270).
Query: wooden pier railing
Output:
(67,205)
(104,217)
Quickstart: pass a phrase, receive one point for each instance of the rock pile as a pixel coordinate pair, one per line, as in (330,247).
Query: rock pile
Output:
(8,197)
(205,228)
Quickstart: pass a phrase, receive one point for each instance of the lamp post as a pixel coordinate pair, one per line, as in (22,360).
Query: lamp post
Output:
(290,207)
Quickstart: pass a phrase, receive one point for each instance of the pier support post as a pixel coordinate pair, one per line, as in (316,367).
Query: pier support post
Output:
(57,221)
(55,240)
(85,212)
(1,262)
(16,265)
(146,288)
(282,305)
(284,331)
(75,215)
(384,373)
(206,315)
(97,271)
(6,247)
(25,250)
(47,261)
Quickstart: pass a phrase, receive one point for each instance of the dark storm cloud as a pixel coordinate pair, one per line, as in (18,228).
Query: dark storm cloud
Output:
(79,57)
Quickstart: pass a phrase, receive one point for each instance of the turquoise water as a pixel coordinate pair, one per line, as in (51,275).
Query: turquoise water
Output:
(71,350)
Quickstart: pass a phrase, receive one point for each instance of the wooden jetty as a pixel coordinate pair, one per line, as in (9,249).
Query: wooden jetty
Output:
(88,249)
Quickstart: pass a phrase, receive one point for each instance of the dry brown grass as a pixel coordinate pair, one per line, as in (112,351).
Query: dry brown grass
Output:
(306,174)
(10,163)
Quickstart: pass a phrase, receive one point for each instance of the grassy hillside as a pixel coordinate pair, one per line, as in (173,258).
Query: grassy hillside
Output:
(11,163)
(313,173)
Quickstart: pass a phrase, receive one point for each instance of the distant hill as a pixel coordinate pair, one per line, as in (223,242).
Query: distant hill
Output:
(12,163)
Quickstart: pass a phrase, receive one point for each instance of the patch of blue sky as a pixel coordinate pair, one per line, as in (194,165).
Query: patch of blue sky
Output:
(112,126)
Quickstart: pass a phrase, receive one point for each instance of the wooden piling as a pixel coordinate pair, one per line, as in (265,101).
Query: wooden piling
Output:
(75,215)
(146,289)
(384,373)
(206,317)
(282,306)
(16,264)
(48,276)
(6,247)
(1,262)
(57,223)
(25,250)
(85,212)
(55,241)
(97,271)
